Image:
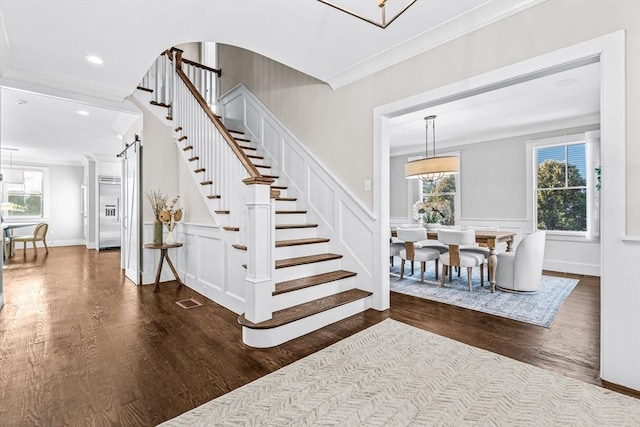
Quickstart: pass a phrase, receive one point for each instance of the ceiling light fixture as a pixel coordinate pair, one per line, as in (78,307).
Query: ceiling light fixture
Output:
(11,175)
(381,4)
(431,169)
(94,59)
(83,112)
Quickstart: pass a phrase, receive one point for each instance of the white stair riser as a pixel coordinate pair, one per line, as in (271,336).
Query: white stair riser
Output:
(296,233)
(291,218)
(286,205)
(298,271)
(258,162)
(263,338)
(290,299)
(301,250)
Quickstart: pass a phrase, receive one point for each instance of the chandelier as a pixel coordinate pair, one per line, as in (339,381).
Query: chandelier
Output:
(431,169)
(383,23)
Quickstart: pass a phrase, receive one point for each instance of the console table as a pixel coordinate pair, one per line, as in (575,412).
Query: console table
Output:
(164,253)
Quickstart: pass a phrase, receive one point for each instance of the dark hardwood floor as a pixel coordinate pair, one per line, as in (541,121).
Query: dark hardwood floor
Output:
(80,345)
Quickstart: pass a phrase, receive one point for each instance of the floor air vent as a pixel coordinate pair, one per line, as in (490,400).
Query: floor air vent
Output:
(189,303)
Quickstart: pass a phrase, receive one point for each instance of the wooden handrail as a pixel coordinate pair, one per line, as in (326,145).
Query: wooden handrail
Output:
(240,154)
(204,67)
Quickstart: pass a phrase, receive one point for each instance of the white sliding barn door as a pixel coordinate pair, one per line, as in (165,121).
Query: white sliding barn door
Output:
(131,225)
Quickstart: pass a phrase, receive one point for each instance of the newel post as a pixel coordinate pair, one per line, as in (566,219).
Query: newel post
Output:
(260,238)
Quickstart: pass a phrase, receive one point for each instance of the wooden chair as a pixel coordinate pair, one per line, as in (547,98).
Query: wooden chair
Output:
(39,235)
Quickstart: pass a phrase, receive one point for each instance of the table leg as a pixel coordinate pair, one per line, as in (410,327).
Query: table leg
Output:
(175,273)
(163,253)
(510,245)
(493,261)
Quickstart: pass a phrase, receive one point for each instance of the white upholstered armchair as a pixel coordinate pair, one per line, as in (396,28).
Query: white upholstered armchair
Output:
(521,271)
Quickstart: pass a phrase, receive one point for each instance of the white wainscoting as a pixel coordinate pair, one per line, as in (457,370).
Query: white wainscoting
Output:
(340,215)
(206,263)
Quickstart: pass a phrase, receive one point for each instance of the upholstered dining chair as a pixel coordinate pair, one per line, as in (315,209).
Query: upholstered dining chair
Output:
(395,247)
(475,248)
(457,258)
(413,252)
(39,235)
(521,271)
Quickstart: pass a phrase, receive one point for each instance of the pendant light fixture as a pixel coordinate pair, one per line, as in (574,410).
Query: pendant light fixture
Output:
(11,175)
(383,22)
(431,169)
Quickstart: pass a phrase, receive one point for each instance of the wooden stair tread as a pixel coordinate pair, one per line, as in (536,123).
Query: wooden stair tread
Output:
(178,129)
(159,104)
(241,247)
(187,148)
(286,199)
(309,259)
(288,226)
(298,242)
(193,159)
(146,89)
(310,308)
(309,281)
(213,196)
(255,156)
(242,139)
(279,187)
(246,147)
(263,166)
(182,138)
(199,171)
(223,212)
(229,228)
(272,177)
(206,183)
(290,212)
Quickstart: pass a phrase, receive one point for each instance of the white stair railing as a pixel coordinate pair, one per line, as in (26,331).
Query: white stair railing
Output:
(224,174)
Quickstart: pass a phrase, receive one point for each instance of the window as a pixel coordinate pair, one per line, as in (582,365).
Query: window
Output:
(561,187)
(24,200)
(439,200)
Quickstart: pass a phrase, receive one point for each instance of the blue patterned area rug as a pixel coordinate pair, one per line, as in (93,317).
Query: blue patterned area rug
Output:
(539,308)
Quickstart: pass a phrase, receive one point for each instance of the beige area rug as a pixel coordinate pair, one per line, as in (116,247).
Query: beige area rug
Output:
(392,374)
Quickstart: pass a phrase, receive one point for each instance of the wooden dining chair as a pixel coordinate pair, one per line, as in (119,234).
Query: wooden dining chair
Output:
(39,235)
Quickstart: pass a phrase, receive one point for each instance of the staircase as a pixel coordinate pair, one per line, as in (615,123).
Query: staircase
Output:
(303,286)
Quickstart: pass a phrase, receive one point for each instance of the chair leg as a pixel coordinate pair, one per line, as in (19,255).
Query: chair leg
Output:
(482,275)
(444,274)
(412,267)
(469,271)
(45,245)
(458,268)
(422,266)
(402,269)
(451,273)
(35,249)
(437,269)
(24,248)
(391,260)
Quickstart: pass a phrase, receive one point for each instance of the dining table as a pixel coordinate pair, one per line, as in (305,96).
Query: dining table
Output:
(488,239)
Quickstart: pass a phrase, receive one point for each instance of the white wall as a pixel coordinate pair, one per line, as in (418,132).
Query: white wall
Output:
(337,125)
(63,213)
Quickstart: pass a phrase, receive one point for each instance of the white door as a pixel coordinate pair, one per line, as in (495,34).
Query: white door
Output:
(131,225)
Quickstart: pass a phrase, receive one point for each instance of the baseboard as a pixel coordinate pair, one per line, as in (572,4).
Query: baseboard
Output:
(572,267)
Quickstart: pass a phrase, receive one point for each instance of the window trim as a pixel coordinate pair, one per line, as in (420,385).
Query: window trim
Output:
(532,184)
(45,194)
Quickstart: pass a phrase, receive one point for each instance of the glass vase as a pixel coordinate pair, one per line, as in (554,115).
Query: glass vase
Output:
(157,232)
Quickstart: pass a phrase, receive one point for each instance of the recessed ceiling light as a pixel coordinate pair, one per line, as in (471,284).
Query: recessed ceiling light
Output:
(83,112)
(94,59)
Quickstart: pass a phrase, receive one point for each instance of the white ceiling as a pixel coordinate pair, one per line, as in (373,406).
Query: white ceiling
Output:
(48,128)
(44,44)
(565,99)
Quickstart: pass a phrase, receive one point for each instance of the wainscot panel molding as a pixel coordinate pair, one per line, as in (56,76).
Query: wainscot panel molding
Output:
(339,214)
(207,263)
